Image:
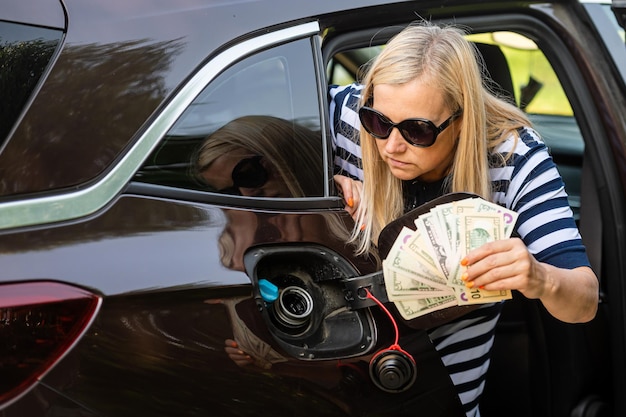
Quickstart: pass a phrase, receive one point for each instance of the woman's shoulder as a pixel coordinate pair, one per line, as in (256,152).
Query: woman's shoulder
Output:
(345,95)
(521,142)
(335,89)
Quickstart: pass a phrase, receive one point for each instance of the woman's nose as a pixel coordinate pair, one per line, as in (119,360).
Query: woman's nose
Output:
(395,142)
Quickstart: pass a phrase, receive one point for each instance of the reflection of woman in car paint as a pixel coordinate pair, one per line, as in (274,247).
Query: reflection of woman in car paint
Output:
(427,127)
(263,156)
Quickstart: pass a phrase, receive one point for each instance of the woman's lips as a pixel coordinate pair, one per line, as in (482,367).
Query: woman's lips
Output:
(394,163)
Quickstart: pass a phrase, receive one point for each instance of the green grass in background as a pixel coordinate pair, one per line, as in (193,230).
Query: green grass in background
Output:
(527,63)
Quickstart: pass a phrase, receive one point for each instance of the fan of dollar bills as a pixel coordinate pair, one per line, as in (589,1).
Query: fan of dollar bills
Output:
(422,270)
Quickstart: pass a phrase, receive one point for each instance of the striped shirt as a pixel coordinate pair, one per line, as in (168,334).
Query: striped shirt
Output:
(529,184)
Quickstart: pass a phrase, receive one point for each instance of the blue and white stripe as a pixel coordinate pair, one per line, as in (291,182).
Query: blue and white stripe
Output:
(345,129)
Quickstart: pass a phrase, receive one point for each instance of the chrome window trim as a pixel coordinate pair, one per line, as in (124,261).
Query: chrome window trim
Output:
(76,204)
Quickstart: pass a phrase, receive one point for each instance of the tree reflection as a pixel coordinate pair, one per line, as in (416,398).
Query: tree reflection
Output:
(21,66)
(91,105)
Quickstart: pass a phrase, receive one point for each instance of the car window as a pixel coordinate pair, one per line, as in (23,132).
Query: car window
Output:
(540,94)
(613,35)
(25,52)
(253,131)
(526,76)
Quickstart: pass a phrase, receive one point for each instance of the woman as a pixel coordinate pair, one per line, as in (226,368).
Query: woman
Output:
(262,156)
(429,126)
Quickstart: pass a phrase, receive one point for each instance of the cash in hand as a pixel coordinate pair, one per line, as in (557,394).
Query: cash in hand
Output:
(422,271)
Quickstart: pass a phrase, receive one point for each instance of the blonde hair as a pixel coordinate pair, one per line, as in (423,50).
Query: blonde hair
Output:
(449,62)
(295,152)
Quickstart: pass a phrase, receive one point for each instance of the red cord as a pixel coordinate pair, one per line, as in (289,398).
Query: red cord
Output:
(395,345)
(393,321)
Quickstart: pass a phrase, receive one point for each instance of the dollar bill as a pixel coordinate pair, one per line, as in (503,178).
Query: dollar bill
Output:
(401,259)
(402,286)
(435,239)
(509,217)
(414,308)
(418,246)
(449,222)
(467,296)
(422,271)
(480,228)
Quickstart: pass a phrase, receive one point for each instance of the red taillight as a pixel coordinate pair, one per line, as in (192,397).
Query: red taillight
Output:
(39,322)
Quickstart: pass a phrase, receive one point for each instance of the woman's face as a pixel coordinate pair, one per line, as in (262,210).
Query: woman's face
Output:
(415,99)
(245,174)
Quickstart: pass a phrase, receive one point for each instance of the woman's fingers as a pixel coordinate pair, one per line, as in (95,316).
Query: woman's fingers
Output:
(351,191)
(235,354)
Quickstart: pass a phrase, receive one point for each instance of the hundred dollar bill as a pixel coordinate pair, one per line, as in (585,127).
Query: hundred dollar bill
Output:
(466,296)
(401,286)
(415,308)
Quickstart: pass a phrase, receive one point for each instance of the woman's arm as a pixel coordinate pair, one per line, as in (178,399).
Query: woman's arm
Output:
(570,295)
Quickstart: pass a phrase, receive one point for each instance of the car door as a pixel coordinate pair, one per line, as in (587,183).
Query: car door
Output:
(219,225)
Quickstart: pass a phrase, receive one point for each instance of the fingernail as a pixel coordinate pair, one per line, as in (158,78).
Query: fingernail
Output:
(482,287)
(350,202)
(464,262)
(469,284)
(362,227)
(464,276)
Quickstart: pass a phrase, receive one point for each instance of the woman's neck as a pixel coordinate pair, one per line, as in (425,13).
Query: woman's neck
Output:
(418,192)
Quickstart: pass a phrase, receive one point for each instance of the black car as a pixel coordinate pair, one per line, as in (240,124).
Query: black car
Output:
(124,273)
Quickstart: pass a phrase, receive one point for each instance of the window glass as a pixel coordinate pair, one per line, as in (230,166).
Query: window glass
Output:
(614,25)
(539,92)
(25,51)
(254,131)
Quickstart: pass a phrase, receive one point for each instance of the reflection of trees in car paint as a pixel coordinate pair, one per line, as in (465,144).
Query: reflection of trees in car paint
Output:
(133,75)
(23,62)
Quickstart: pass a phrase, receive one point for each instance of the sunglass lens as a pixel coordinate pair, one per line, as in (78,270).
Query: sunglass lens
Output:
(249,173)
(417,132)
(375,123)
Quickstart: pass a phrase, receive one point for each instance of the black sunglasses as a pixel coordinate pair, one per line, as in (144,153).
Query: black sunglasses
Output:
(248,173)
(418,132)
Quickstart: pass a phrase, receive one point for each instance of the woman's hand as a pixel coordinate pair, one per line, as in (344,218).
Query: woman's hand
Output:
(351,191)
(569,295)
(504,264)
(237,355)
